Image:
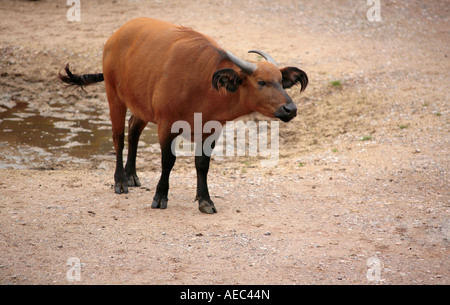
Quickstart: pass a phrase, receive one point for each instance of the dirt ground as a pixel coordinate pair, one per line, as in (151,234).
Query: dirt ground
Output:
(363,174)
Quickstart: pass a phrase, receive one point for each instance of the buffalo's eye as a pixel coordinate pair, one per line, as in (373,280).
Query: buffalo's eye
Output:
(262,83)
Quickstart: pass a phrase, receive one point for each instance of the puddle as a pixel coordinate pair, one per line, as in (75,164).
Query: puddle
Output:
(56,133)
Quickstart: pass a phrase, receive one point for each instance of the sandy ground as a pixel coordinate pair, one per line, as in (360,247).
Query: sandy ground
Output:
(363,174)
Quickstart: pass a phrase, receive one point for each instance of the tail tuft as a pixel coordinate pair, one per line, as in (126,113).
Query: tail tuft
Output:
(80,81)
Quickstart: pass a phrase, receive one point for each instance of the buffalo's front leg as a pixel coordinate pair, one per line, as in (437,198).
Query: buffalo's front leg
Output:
(162,190)
(205,204)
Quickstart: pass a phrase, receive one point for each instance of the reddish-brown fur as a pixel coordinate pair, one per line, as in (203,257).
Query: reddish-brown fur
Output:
(163,73)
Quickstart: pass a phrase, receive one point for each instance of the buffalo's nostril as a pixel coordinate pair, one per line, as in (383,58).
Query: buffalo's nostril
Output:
(290,109)
(287,110)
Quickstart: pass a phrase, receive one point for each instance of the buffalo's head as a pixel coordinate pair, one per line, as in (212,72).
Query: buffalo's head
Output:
(262,85)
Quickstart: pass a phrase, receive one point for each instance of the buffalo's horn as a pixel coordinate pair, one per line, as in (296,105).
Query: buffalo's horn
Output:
(265,55)
(245,66)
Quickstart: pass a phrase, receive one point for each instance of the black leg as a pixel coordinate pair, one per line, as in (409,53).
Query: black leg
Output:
(162,190)
(136,126)
(205,204)
(119,175)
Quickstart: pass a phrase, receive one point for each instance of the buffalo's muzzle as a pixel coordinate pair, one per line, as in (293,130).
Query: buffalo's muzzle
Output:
(286,112)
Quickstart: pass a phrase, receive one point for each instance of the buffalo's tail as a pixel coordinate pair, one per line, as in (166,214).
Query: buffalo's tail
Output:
(80,81)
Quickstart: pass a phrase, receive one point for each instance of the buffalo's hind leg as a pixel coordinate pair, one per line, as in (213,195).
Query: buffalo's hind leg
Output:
(136,126)
(118,113)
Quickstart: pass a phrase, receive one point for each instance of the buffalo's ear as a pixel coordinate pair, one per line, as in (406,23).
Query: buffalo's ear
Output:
(227,78)
(293,76)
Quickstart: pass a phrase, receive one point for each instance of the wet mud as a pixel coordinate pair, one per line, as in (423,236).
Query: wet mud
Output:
(55,135)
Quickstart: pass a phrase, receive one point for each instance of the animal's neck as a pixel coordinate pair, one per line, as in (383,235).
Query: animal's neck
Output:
(233,107)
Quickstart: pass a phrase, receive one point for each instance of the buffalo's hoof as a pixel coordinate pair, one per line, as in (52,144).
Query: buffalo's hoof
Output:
(159,203)
(133,180)
(206,206)
(121,187)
